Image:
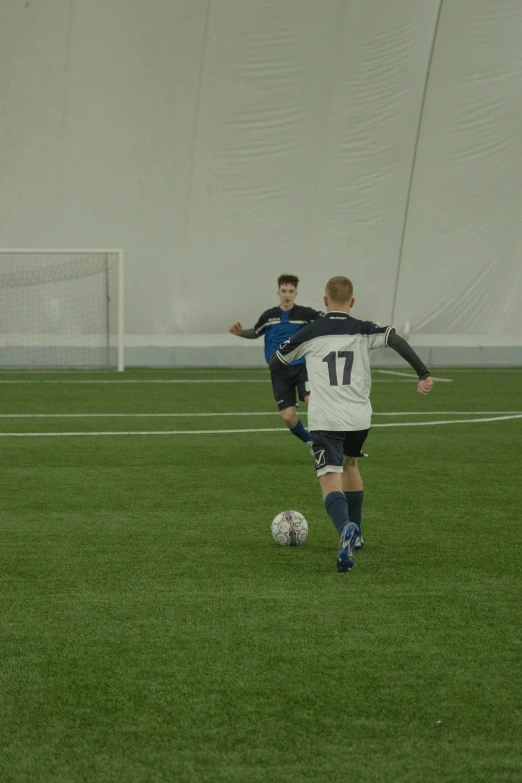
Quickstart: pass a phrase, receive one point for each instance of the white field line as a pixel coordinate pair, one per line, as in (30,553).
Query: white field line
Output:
(447,421)
(441,413)
(233,413)
(132,415)
(208,371)
(250,370)
(142,380)
(230,432)
(14,371)
(482,369)
(169,372)
(180,380)
(215,370)
(405,374)
(151,432)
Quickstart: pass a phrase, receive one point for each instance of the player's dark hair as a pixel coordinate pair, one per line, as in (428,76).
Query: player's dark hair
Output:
(339,289)
(289,279)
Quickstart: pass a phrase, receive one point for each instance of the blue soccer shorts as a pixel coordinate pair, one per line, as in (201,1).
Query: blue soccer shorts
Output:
(287,382)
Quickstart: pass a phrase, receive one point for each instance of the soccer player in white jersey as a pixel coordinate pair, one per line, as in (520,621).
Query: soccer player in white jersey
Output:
(337,352)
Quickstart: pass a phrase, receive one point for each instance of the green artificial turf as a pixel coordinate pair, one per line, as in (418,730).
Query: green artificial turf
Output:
(152,630)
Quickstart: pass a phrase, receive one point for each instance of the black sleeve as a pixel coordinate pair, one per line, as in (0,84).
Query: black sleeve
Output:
(250,334)
(315,314)
(262,323)
(400,345)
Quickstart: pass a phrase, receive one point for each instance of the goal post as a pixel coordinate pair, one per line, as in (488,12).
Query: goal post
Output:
(61,308)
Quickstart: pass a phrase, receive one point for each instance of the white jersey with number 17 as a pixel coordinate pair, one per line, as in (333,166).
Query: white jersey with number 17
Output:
(337,351)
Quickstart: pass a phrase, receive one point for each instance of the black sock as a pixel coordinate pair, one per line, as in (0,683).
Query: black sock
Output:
(337,508)
(355,501)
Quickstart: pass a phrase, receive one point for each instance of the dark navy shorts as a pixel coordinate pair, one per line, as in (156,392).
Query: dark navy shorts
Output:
(331,447)
(286,382)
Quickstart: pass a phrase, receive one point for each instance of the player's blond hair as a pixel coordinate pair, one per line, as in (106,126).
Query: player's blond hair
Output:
(339,289)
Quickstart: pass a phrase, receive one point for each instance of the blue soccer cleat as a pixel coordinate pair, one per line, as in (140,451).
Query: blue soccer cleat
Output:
(345,558)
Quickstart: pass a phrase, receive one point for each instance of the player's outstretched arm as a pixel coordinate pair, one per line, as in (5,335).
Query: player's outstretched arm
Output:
(405,350)
(238,330)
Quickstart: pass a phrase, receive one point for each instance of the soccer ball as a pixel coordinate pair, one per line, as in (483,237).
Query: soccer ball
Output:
(289,528)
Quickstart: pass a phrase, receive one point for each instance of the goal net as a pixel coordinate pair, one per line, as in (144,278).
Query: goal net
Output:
(61,309)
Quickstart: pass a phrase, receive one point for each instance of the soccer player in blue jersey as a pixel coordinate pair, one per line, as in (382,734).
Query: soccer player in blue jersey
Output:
(277,325)
(337,352)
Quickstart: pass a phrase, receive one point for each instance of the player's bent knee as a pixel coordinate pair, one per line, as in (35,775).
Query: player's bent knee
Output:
(288,415)
(349,462)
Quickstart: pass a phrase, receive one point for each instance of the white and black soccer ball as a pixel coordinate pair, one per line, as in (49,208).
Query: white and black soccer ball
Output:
(289,528)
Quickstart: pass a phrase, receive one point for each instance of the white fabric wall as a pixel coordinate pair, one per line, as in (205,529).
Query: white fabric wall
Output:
(222,142)
(461,269)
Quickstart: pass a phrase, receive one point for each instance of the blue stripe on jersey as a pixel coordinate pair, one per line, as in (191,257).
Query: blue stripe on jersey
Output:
(278,326)
(278,333)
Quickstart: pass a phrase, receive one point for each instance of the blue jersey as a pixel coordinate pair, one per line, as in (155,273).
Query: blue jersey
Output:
(279,325)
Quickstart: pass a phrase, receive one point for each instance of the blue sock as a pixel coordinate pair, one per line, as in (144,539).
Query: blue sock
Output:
(355,501)
(337,508)
(300,432)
